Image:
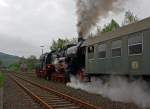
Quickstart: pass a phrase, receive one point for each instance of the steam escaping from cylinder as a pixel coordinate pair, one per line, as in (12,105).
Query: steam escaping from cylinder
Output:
(117,89)
(89,12)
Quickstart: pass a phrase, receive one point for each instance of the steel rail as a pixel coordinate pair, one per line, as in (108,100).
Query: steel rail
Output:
(35,98)
(67,97)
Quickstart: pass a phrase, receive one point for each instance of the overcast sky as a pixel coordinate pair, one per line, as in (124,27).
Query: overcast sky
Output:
(27,24)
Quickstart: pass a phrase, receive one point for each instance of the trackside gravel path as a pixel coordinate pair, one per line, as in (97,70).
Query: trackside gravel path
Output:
(15,98)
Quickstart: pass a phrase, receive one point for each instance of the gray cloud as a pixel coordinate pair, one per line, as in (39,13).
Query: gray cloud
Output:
(26,24)
(16,45)
(36,22)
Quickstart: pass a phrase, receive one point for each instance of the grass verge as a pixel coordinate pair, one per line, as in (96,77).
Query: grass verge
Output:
(2,78)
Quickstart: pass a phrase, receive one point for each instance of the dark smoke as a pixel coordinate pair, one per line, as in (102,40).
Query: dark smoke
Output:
(89,12)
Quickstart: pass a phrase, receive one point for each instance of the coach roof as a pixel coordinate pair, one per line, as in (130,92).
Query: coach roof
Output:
(125,30)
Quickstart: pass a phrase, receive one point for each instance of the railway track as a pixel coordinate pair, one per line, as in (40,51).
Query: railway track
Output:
(16,98)
(49,98)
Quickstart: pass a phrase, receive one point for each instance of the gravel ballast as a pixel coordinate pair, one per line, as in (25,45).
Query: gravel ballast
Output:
(94,99)
(15,98)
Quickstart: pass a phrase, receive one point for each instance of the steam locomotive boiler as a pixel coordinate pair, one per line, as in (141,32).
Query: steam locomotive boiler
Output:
(76,55)
(58,66)
(43,65)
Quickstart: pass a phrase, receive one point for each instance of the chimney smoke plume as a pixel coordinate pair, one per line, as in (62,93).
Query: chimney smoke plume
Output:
(89,12)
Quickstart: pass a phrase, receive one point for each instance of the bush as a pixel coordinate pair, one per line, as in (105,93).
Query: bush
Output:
(1,79)
(14,67)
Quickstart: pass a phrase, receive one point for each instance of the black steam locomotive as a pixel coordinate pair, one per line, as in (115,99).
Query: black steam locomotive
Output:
(58,65)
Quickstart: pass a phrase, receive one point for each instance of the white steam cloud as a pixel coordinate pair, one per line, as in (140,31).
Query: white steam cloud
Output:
(117,89)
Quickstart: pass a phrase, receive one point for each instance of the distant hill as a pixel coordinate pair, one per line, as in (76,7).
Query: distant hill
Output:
(8,59)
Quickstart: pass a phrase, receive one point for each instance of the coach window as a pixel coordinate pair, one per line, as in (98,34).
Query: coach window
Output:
(91,52)
(135,45)
(102,51)
(116,48)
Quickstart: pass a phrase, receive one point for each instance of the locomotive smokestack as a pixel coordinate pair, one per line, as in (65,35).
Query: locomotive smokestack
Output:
(80,36)
(89,12)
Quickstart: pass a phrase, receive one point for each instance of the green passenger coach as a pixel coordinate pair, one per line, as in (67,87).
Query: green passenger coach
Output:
(125,51)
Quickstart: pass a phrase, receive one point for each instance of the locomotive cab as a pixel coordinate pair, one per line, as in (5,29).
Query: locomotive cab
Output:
(76,55)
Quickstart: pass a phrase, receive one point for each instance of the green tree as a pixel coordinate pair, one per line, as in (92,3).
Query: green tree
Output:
(24,64)
(111,26)
(1,63)
(32,58)
(2,78)
(14,67)
(59,44)
(129,18)
(31,62)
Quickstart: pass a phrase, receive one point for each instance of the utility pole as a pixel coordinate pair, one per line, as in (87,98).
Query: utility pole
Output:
(42,48)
